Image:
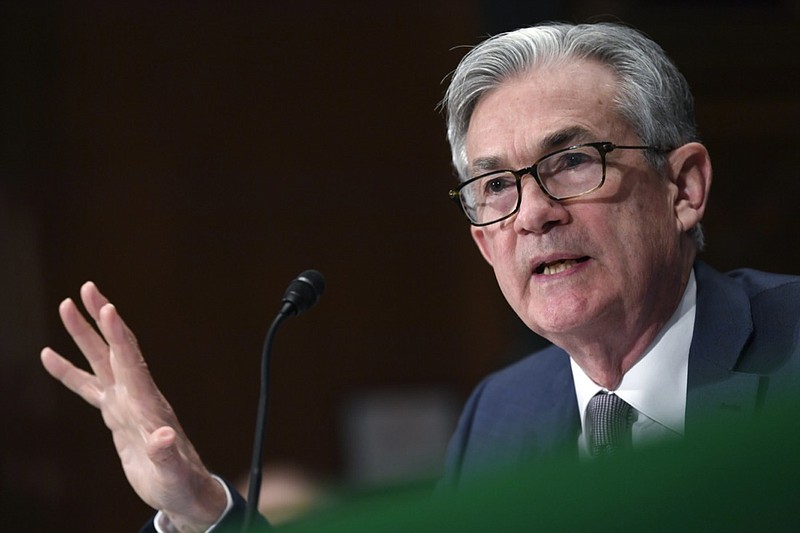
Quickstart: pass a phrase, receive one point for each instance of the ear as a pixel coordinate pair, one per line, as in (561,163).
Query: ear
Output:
(482,240)
(691,174)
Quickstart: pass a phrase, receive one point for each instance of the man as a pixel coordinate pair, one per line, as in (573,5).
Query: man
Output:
(594,243)
(585,186)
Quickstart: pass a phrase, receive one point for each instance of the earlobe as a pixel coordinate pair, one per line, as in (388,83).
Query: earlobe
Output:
(691,174)
(480,238)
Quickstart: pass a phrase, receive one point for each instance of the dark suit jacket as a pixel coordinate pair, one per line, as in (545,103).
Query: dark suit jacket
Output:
(745,354)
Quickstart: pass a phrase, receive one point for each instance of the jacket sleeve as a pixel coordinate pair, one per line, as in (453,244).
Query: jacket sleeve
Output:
(231,522)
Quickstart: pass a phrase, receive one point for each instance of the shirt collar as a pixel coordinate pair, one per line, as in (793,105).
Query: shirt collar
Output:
(656,385)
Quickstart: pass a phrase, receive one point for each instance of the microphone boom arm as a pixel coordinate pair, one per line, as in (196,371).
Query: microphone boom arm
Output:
(256,464)
(303,292)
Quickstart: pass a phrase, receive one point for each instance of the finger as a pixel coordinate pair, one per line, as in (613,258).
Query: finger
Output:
(128,364)
(86,338)
(78,381)
(93,299)
(161,445)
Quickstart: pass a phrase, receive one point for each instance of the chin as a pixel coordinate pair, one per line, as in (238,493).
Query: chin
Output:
(551,324)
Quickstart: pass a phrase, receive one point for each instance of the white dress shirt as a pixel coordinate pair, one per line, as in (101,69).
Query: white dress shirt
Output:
(656,385)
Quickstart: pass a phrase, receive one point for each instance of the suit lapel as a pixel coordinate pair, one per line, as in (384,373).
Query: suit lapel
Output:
(723,326)
(562,415)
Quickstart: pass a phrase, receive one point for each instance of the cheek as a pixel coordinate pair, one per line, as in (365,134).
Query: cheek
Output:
(508,269)
(660,220)
(515,292)
(649,234)
(502,263)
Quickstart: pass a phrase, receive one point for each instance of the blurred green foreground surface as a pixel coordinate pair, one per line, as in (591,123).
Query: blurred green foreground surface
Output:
(723,479)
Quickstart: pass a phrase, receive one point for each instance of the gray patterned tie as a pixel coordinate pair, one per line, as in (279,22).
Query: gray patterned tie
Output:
(610,419)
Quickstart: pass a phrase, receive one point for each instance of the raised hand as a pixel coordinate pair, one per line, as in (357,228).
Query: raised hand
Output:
(159,461)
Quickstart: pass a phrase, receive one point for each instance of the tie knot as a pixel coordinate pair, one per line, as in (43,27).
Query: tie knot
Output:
(610,424)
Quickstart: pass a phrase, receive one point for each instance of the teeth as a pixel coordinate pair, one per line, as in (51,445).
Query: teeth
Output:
(560,266)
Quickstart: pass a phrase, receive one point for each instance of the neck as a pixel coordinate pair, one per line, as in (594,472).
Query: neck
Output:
(607,365)
(607,358)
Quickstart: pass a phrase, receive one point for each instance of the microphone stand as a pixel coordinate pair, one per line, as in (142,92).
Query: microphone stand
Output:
(256,465)
(302,293)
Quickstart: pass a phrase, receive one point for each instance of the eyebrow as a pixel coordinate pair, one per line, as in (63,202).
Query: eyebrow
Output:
(485,164)
(563,138)
(551,142)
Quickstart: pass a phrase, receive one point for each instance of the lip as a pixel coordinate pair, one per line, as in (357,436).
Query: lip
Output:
(553,259)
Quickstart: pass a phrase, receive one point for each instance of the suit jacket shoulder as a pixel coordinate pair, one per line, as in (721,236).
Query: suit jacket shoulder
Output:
(745,352)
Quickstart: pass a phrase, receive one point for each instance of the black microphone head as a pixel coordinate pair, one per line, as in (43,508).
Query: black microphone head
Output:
(303,292)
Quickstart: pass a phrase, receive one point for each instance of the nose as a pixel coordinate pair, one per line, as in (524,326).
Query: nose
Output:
(538,213)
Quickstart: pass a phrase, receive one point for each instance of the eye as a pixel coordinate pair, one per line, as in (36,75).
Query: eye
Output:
(570,160)
(497,184)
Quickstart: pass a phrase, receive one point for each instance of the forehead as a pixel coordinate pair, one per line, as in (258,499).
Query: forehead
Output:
(543,110)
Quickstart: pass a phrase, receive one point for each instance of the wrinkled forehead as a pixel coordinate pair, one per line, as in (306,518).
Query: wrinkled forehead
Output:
(543,109)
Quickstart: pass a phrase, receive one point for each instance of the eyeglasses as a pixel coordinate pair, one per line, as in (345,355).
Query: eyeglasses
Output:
(563,174)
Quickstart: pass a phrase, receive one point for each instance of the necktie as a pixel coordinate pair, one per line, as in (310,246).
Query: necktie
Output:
(610,419)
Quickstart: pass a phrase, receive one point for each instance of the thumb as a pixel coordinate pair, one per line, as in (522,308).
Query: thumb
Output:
(161,446)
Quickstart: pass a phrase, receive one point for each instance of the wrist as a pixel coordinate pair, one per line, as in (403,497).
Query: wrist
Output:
(212,501)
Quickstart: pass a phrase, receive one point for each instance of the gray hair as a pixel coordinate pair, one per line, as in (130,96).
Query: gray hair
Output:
(653,96)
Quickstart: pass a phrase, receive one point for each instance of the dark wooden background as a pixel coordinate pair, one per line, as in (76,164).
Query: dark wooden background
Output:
(192,158)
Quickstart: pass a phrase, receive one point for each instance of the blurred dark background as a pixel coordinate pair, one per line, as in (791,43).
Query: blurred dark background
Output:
(192,158)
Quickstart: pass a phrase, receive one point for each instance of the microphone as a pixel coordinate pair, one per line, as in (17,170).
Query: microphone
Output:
(303,292)
(301,295)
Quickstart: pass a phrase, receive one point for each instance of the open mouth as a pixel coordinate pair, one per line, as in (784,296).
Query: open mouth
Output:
(555,267)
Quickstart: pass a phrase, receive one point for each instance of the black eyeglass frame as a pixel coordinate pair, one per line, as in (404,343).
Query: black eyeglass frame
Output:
(602,147)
